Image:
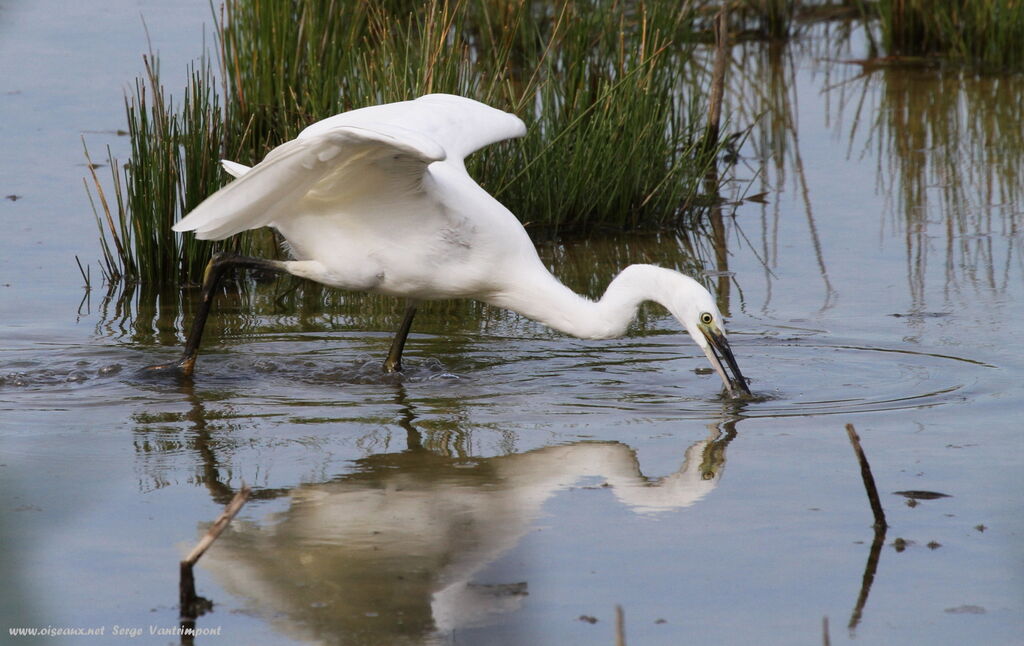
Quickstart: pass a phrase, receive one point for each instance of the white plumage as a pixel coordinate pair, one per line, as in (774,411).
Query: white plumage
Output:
(378,199)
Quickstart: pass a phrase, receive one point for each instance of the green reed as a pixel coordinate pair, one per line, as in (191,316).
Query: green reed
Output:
(613,107)
(173,165)
(987,33)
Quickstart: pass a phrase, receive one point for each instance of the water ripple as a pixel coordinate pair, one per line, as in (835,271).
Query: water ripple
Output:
(637,378)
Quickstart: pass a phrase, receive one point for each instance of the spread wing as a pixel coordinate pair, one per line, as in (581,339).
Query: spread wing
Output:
(380,151)
(274,186)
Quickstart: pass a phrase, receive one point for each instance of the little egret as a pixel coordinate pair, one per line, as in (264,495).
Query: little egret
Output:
(379,200)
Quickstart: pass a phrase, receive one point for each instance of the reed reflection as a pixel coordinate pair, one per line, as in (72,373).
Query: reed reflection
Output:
(953,166)
(762,96)
(947,143)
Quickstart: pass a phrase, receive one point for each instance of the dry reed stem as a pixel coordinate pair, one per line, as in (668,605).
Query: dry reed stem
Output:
(218,525)
(718,77)
(869,480)
(191,605)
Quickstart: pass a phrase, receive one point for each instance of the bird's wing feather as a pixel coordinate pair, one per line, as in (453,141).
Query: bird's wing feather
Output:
(459,125)
(355,160)
(293,169)
(234,168)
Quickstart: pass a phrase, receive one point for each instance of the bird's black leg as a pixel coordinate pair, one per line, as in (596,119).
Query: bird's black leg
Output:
(215,270)
(394,361)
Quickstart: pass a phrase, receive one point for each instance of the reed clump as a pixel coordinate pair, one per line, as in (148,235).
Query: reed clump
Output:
(614,112)
(986,33)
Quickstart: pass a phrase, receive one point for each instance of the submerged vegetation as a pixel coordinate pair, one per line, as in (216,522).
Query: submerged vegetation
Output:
(613,107)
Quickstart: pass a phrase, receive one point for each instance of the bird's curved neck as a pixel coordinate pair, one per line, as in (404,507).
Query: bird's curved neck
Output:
(543,298)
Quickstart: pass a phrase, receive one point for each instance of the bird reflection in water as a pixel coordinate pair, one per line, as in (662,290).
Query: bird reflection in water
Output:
(388,553)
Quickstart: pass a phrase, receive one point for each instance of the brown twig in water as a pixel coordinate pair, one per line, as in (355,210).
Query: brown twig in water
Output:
(869,480)
(620,626)
(191,604)
(880,526)
(825,639)
(218,525)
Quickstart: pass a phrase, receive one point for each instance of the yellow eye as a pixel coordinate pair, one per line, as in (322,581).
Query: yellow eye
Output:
(706,318)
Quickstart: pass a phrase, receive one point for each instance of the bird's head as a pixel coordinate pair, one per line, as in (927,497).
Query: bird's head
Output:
(695,308)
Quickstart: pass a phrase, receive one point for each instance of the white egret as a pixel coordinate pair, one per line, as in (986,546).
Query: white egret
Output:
(379,200)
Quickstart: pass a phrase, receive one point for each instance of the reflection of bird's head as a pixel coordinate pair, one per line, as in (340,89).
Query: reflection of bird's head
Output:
(697,477)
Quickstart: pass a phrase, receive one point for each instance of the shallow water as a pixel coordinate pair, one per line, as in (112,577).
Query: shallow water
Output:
(515,485)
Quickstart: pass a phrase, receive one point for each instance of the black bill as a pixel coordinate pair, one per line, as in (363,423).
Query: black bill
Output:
(720,355)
